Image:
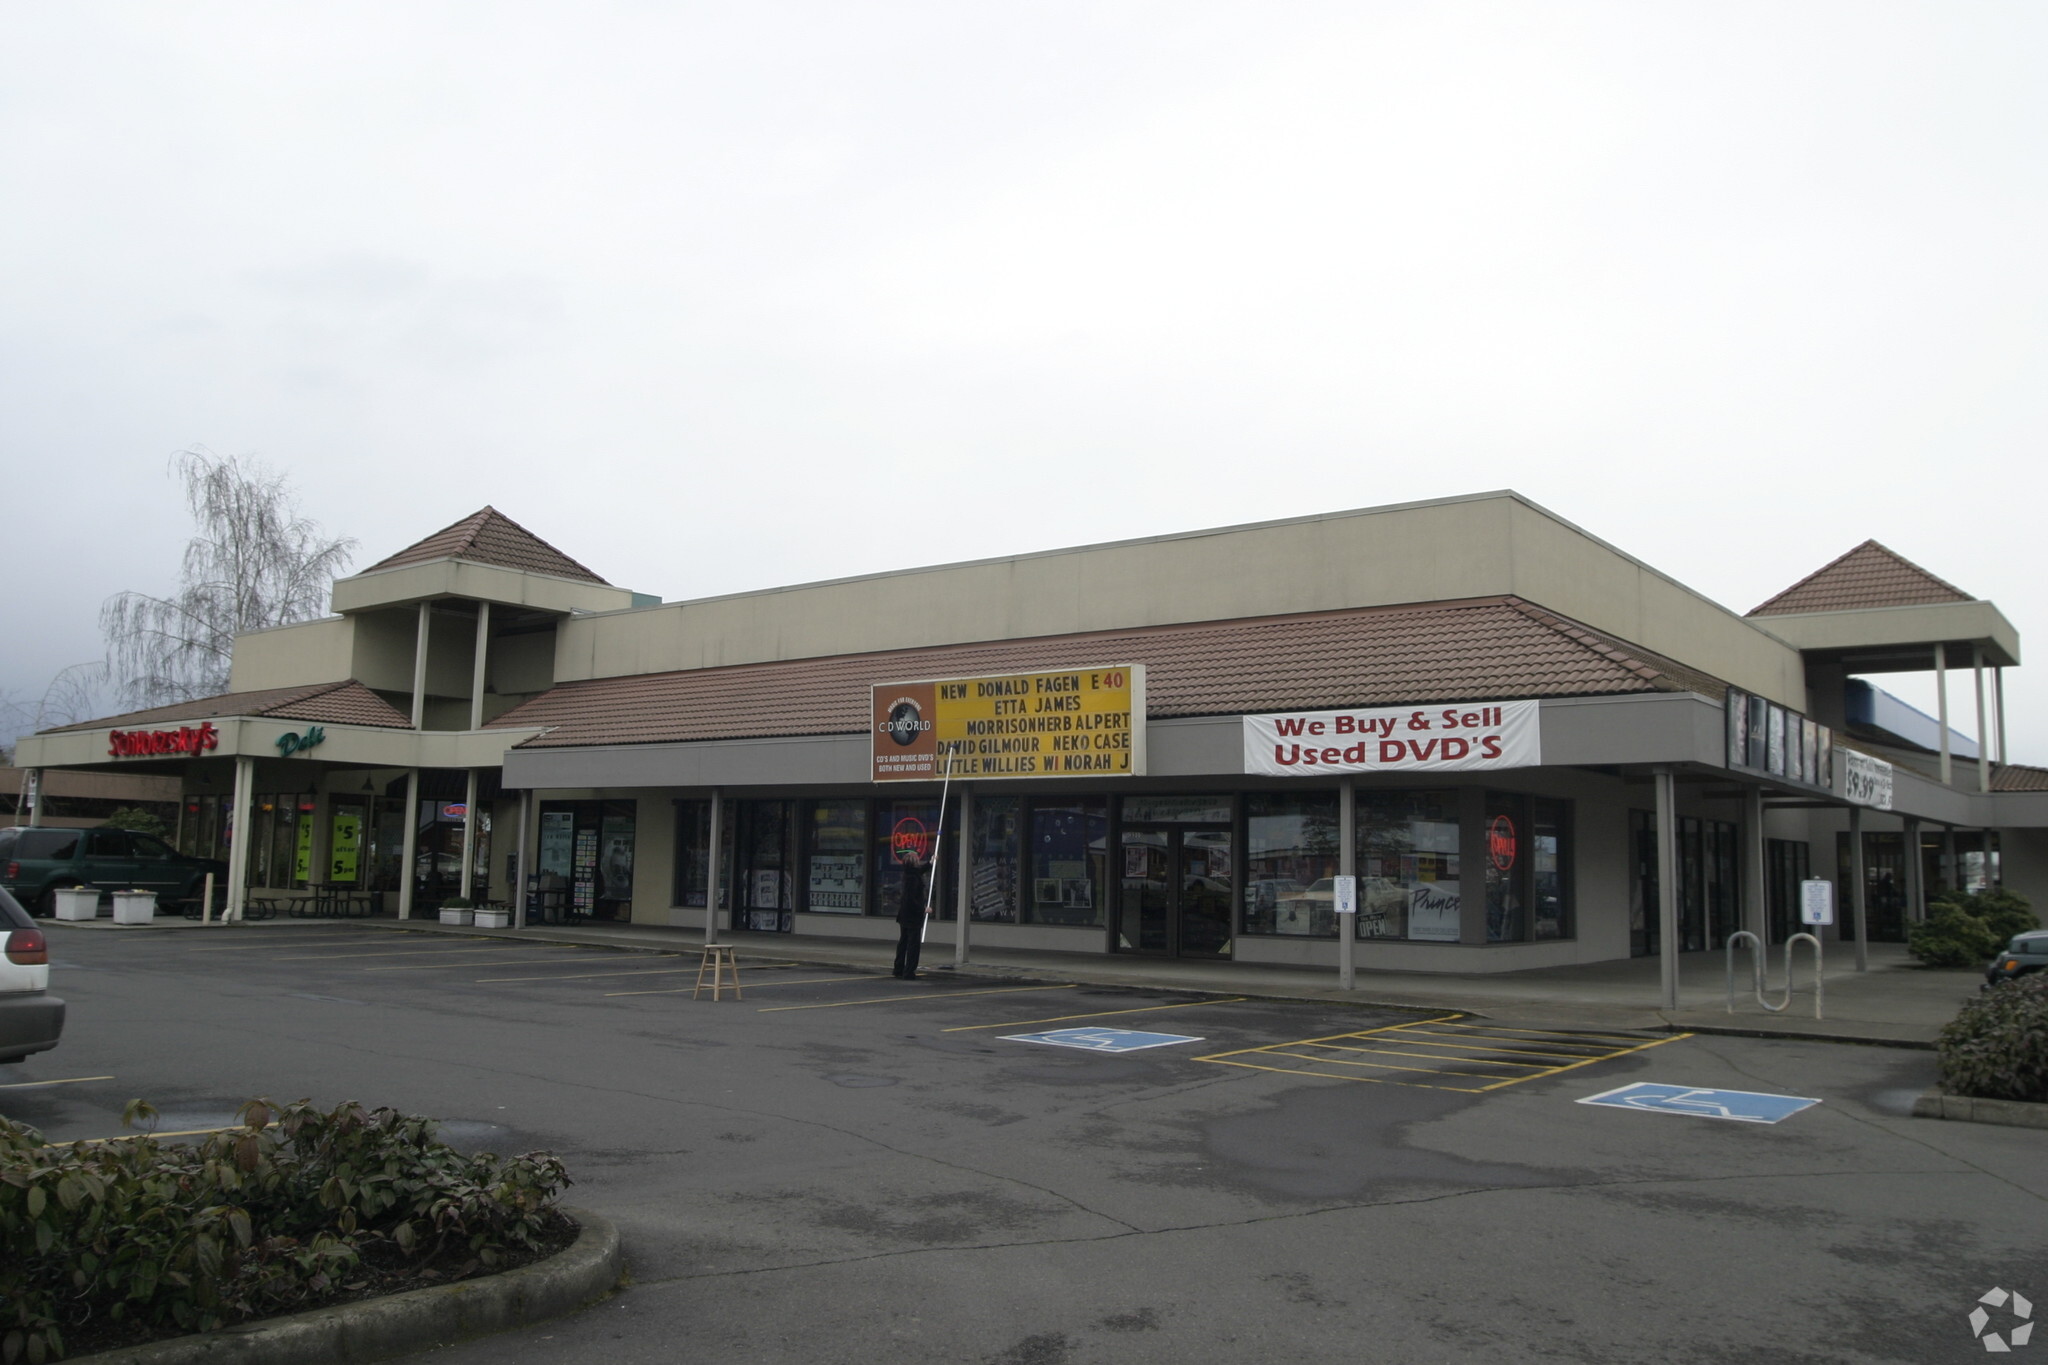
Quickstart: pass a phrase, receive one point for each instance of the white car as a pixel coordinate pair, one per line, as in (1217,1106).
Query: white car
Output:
(30,1017)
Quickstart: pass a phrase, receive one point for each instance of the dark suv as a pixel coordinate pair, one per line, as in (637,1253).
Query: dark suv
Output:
(37,861)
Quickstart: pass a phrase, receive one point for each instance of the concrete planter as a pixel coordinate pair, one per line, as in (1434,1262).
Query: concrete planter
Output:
(457,917)
(78,903)
(134,907)
(494,919)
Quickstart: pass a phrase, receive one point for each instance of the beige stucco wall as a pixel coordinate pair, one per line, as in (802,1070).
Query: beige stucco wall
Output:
(1877,626)
(480,582)
(1484,545)
(293,656)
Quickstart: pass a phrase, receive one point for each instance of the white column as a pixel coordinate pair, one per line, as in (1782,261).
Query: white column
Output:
(1755,916)
(32,795)
(469,835)
(963,909)
(1347,866)
(243,842)
(1667,884)
(1983,728)
(411,844)
(476,673)
(1858,912)
(716,834)
(1998,691)
(1941,710)
(523,869)
(419,675)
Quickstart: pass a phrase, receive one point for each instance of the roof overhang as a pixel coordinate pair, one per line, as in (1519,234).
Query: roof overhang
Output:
(358,746)
(1899,639)
(410,583)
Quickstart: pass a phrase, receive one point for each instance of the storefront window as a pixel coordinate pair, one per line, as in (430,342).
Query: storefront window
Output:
(693,838)
(1069,879)
(907,835)
(1408,865)
(838,843)
(586,858)
(1291,856)
(766,840)
(1507,905)
(1706,884)
(1550,894)
(995,858)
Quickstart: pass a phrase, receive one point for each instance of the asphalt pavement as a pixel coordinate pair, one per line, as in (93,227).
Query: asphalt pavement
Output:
(842,1166)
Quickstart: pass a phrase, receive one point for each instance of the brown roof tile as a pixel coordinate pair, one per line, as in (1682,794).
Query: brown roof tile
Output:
(490,537)
(2018,777)
(1867,576)
(1494,648)
(334,703)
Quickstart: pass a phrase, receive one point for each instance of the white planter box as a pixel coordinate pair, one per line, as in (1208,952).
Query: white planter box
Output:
(456,916)
(494,919)
(134,907)
(78,903)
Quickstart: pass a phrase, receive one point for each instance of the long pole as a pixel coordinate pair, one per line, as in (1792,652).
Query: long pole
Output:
(717,836)
(931,883)
(1347,866)
(1857,912)
(1667,884)
(963,890)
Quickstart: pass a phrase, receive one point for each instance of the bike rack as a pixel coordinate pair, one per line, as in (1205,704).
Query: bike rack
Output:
(1758,964)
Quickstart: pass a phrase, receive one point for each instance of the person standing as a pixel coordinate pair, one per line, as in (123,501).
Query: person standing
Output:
(910,917)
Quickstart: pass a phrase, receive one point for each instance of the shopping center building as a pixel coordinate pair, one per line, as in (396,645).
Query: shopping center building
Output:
(1528,746)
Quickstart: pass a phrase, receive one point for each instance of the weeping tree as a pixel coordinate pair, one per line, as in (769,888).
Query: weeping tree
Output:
(255,562)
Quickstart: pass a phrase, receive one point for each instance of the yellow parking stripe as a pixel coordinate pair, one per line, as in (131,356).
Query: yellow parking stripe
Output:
(1507,1047)
(446,966)
(591,976)
(1098,1014)
(1434,1056)
(919,996)
(1574,1066)
(1505,1029)
(404,952)
(1423,1038)
(751,985)
(68,1080)
(299,939)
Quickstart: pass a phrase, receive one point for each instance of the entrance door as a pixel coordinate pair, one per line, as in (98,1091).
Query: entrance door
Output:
(1176,891)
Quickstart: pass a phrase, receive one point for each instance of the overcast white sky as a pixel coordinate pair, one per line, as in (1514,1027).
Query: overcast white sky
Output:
(696,291)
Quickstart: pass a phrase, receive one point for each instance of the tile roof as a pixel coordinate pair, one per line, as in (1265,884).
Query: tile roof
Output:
(2018,777)
(490,537)
(1867,576)
(335,703)
(1491,648)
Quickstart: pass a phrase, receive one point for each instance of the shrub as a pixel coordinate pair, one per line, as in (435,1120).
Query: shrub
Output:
(1997,1045)
(270,1217)
(458,903)
(136,818)
(1951,936)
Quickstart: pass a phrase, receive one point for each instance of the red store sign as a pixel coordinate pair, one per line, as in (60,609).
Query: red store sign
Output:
(186,739)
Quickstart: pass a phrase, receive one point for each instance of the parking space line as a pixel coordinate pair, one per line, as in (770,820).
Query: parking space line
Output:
(751,985)
(592,976)
(1508,1047)
(898,999)
(1435,1056)
(297,942)
(1425,1038)
(447,966)
(68,1080)
(1620,1052)
(1098,1014)
(406,952)
(1542,1032)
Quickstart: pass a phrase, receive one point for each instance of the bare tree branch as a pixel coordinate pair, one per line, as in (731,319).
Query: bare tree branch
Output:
(255,563)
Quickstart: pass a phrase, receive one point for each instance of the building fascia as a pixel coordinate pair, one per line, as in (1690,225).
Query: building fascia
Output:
(1895,629)
(257,737)
(407,584)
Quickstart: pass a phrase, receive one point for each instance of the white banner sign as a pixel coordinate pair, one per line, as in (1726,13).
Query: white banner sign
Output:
(1445,739)
(1866,781)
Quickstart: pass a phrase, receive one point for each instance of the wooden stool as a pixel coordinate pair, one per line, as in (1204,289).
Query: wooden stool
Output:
(718,960)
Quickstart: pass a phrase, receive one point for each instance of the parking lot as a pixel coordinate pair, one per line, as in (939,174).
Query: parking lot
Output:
(840,1165)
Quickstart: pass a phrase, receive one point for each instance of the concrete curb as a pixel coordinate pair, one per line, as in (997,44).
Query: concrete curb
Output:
(377,1329)
(1933,1104)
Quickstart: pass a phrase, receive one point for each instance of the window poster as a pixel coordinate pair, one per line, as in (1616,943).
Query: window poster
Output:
(615,833)
(584,869)
(302,851)
(1434,913)
(557,837)
(348,835)
(835,883)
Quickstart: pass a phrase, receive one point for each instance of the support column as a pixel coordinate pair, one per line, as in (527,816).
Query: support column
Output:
(1983,729)
(963,891)
(717,837)
(419,674)
(1858,913)
(32,795)
(1916,876)
(411,844)
(1754,917)
(1941,710)
(1998,691)
(1667,884)
(241,842)
(521,870)
(469,835)
(476,672)
(1347,866)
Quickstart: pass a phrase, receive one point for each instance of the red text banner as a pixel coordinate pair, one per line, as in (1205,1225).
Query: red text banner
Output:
(1444,739)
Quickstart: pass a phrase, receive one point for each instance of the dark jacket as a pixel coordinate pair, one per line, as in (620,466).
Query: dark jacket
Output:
(910,910)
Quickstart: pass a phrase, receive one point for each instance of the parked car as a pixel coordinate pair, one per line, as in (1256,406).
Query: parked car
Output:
(38,861)
(2026,953)
(30,1017)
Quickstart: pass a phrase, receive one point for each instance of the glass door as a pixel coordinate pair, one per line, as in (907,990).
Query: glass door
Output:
(1176,891)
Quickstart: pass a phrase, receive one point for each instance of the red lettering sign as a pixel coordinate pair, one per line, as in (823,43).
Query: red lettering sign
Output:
(1500,842)
(186,739)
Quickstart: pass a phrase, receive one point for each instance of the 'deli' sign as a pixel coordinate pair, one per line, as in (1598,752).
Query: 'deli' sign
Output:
(1071,722)
(1447,739)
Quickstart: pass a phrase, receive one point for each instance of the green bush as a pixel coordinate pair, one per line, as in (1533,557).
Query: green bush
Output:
(1997,1045)
(270,1217)
(136,818)
(1951,936)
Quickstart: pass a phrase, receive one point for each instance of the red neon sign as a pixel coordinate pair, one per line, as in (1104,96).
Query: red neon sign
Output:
(910,841)
(186,739)
(1500,842)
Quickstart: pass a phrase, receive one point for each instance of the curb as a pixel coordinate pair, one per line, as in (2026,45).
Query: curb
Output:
(1933,1104)
(398,1324)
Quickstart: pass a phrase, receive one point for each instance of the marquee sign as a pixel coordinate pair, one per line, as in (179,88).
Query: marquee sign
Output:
(186,739)
(1457,738)
(1073,722)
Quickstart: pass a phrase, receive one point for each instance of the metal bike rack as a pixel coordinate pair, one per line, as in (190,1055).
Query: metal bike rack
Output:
(1758,963)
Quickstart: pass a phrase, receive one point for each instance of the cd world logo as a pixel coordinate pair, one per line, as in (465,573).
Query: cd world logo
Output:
(2014,1336)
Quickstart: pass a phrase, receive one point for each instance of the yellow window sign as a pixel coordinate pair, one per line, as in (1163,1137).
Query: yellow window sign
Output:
(1073,722)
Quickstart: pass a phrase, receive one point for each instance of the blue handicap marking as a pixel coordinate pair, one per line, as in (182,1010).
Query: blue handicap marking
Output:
(1744,1106)
(1102,1039)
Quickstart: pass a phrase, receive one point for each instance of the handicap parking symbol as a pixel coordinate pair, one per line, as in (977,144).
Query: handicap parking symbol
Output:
(1744,1106)
(1102,1039)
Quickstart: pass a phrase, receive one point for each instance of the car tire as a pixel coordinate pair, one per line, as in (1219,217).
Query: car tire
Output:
(45,906)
